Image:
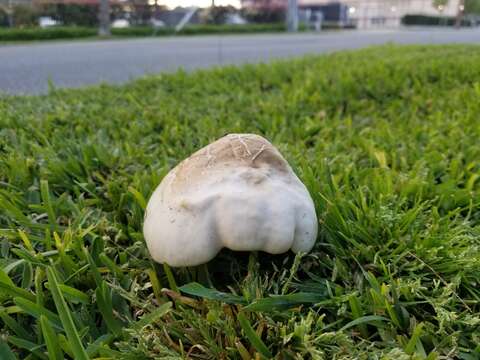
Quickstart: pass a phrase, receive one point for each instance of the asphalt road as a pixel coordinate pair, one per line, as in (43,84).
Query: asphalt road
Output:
(27,69)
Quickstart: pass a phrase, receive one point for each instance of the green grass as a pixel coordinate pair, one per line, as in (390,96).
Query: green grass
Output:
(57,33)
(387,141)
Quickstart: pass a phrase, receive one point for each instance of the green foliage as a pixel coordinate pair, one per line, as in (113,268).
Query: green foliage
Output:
(385,139)
(439,4)
(52,33)
(135,31)
(431,20)
(71,14)
(4,21)
(264,15)
(235,29)
(218,14)
(472,7)
(141,31)
(24,15)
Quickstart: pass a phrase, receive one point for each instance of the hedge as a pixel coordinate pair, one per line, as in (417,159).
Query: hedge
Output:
(431,20)
(46,34)
(135,31)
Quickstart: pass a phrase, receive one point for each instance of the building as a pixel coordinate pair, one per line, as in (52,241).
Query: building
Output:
(365,14)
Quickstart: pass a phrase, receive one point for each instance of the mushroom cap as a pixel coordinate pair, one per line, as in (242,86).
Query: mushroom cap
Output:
(237,192)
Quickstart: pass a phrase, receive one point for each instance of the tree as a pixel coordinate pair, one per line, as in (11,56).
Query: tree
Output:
(440,4)
(472,7)
(5,16)
(71,14)
(24,16)
(218,14)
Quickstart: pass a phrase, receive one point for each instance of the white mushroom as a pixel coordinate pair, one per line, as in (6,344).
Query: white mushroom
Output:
(237,193)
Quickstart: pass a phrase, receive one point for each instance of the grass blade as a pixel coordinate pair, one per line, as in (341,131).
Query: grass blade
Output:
(357,313)
(51,340)
(153,316)
(104,302)
(66,317)
(170,278)
(252,336)
(94,347)
(9,288)
(412,343)
(73,295)
(156,286)
(27,345)
(138,197)
(363,320)
(281,302)
(47,203)
(211,294)
(14,325)
(5,352)
(36,311)
(114,268)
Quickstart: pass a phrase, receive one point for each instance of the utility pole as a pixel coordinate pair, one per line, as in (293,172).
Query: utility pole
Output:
(9,11)
(460,13)
(292,15)
(104,18)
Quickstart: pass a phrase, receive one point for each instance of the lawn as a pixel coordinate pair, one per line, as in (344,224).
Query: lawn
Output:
(387,141)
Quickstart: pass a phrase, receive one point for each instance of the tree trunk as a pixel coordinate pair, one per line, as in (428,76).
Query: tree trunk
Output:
(104,18)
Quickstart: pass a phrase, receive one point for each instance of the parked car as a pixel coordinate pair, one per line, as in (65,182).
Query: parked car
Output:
(120,24)
(235,19)
(47,21)
(156,23)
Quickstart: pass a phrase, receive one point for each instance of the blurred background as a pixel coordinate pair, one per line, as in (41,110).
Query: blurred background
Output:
(144,17)
(266,30)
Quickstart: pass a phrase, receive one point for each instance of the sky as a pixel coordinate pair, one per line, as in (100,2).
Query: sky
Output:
(200,3)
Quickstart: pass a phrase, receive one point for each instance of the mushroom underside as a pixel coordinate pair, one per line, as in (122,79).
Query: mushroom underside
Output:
(194,228)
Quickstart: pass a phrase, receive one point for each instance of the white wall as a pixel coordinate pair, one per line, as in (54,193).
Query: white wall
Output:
(388,13)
